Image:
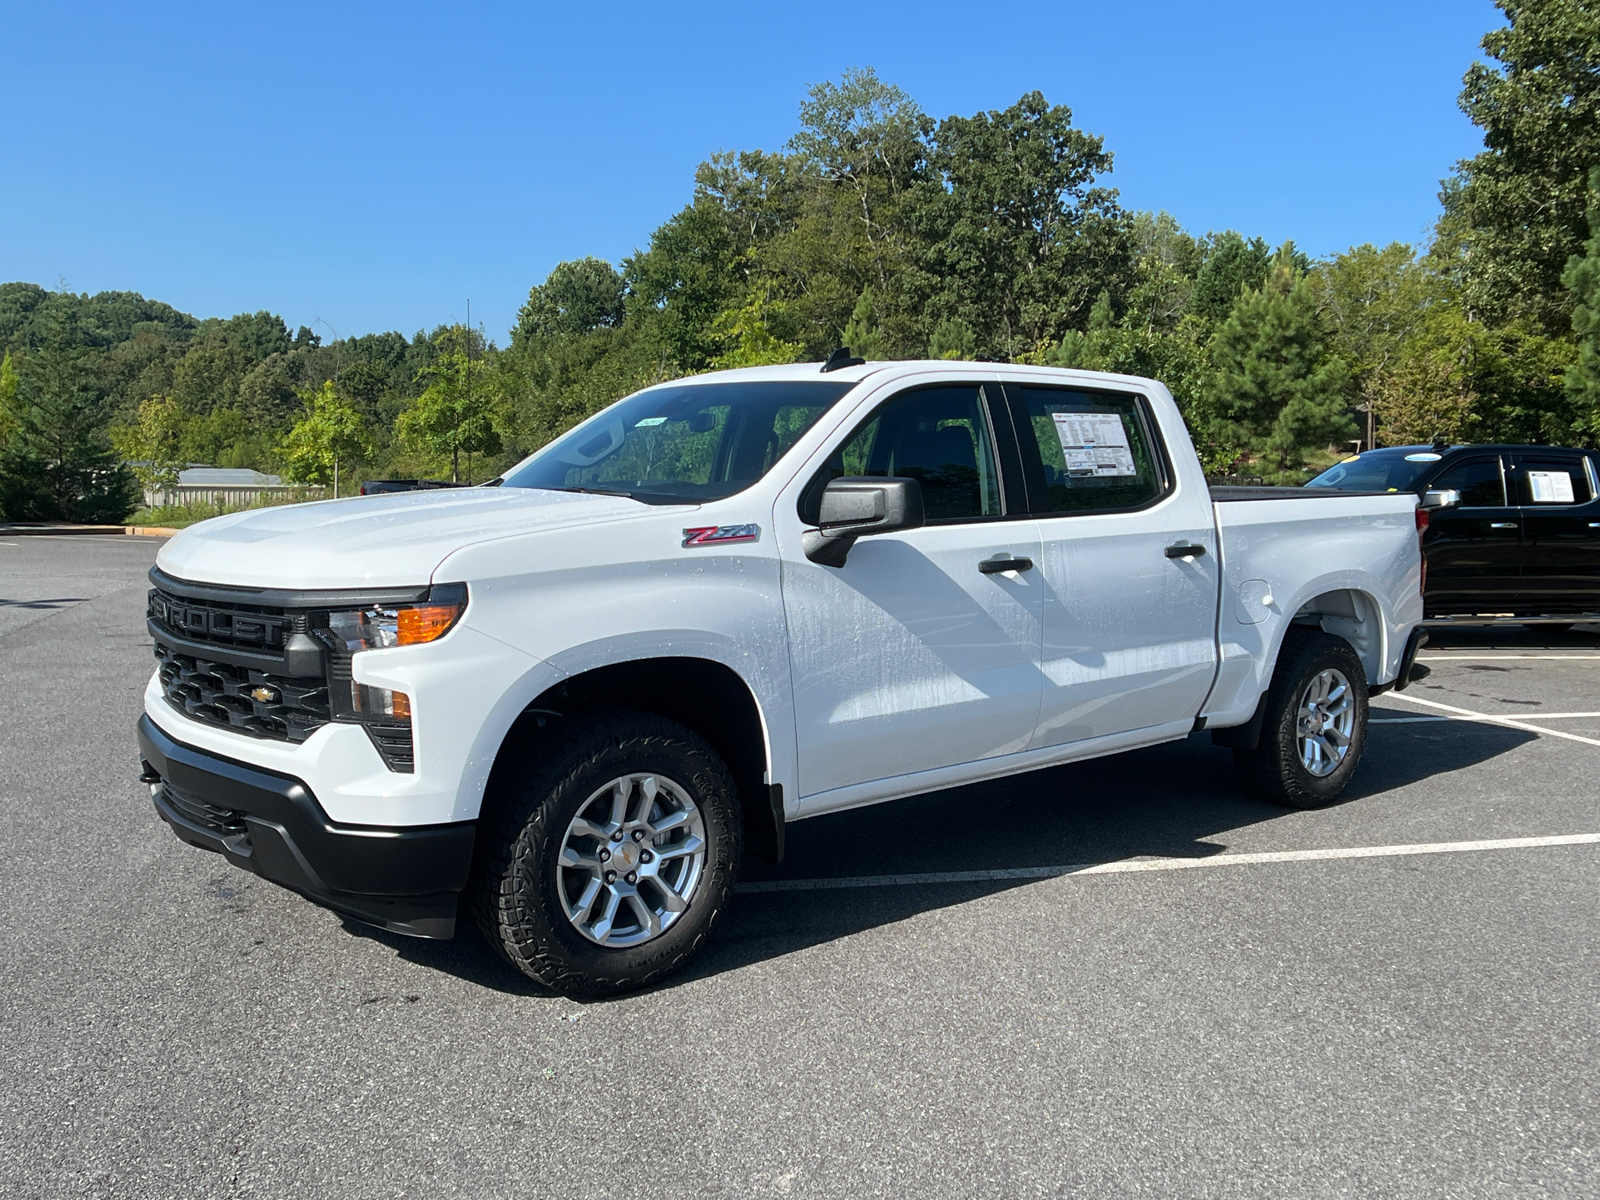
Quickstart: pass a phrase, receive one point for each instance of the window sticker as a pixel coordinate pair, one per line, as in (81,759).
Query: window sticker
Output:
(1094,444)
(1550,487)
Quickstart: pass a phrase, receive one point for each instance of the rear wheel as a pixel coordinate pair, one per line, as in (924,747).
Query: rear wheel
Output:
(606,861)
(1315,724)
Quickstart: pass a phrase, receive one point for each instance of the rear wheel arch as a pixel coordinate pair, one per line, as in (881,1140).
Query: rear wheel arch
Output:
(1351,614)
(703,695)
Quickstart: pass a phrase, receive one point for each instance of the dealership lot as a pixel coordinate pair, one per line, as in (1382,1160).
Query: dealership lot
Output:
(1287,1023)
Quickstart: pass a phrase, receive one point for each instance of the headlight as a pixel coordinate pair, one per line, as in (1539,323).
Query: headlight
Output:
(378,628)
(375,627)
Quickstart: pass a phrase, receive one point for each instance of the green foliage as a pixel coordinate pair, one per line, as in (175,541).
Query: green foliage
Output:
(861,332)
(8,402)
(1016,239)
(953,338)
(1232,267)
(458,413)
(152,443)
(58,464)
(1582,279)
(1520,204)
(1278,388)
(575,298)
(329,435)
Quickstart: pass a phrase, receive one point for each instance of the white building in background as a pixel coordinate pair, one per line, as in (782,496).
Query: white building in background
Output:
(236,487)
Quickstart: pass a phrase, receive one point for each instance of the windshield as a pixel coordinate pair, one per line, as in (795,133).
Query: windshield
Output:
(1393,469)
(682,443)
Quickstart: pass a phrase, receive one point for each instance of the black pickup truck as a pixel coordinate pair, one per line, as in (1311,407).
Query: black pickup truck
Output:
(1513,531)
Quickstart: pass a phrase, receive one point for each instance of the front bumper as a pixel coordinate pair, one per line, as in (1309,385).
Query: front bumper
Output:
(402,879)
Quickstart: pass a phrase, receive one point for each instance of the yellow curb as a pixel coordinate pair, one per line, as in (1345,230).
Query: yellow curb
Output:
(149,531)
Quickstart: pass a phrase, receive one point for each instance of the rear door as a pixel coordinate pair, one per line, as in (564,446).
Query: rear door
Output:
(1560,531)
(1129,623)
(1474,549)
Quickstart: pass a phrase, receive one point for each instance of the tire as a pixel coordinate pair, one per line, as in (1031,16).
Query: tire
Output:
(1557,627)
(1276,770)
(529,900)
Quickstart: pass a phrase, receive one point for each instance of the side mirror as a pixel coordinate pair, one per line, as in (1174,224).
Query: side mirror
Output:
(1440,498)
(859,506)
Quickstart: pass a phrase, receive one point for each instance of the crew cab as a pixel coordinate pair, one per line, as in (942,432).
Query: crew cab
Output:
(1513,531)
(567,703)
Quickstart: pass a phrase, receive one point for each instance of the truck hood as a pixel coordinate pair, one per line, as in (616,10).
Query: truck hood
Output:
(382,541)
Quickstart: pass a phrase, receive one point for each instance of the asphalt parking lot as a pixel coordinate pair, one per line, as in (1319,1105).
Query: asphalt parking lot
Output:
(1419,1020)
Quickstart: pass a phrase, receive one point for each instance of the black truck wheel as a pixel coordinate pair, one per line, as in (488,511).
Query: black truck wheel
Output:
(1314,726)
(603,863)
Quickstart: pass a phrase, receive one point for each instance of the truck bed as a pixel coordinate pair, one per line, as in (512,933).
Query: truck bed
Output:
(1227,494)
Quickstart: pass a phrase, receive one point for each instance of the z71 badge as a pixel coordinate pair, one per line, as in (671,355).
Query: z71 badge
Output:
(720,535)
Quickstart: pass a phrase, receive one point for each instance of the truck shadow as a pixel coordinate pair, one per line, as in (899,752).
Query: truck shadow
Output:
(1166,801)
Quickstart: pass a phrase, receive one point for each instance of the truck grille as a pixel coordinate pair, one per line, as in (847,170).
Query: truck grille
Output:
(218,693)
(246,626)
(233,665)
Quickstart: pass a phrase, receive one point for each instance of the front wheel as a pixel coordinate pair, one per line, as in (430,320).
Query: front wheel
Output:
(1315,724)
(603,866)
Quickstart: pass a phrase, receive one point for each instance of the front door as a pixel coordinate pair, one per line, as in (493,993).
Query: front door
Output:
(1129,623)
(912,656)
(1560,532)
(1474,549)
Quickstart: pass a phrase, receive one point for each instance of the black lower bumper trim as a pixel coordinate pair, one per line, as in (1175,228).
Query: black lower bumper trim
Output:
(404,879)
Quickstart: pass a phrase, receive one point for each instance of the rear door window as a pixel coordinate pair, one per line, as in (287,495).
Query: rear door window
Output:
(1086,451)
(1479,481)
(1553,480)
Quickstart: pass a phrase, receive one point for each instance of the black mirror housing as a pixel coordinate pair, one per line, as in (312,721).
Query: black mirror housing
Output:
(859,506)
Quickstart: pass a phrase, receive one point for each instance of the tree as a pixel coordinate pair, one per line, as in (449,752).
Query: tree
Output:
(1016,239)
(331,434)
(953,338)
(575,298)
(1232,267)
(8,402)
(1372,302)
(1519,205)
(861,330)
(152,444)
(1278,390)
(59,464)
(458,412)
(1582,279)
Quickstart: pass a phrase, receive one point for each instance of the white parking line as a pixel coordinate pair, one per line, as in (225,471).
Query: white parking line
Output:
(1509,722)
(1544,716)
(1495,658)
(1132,865)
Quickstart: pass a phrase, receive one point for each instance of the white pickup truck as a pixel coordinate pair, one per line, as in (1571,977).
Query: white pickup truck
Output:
(574,698)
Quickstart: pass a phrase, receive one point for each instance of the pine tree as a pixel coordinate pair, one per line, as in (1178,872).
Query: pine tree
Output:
(1582,279)
(953,338)
(1279,390)
(861,330)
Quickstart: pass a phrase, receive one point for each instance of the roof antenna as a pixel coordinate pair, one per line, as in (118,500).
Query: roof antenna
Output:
(842,358)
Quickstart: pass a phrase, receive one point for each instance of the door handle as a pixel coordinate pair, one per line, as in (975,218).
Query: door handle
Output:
(997,566)
(1502,524)
(1185,550)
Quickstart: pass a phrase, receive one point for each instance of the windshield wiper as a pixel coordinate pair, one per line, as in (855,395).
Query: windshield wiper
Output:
(588,491)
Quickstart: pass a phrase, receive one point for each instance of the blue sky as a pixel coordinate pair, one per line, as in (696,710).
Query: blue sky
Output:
(368,167)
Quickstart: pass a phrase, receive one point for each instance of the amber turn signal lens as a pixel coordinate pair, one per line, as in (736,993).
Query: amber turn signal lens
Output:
(426,622)
(400,708)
